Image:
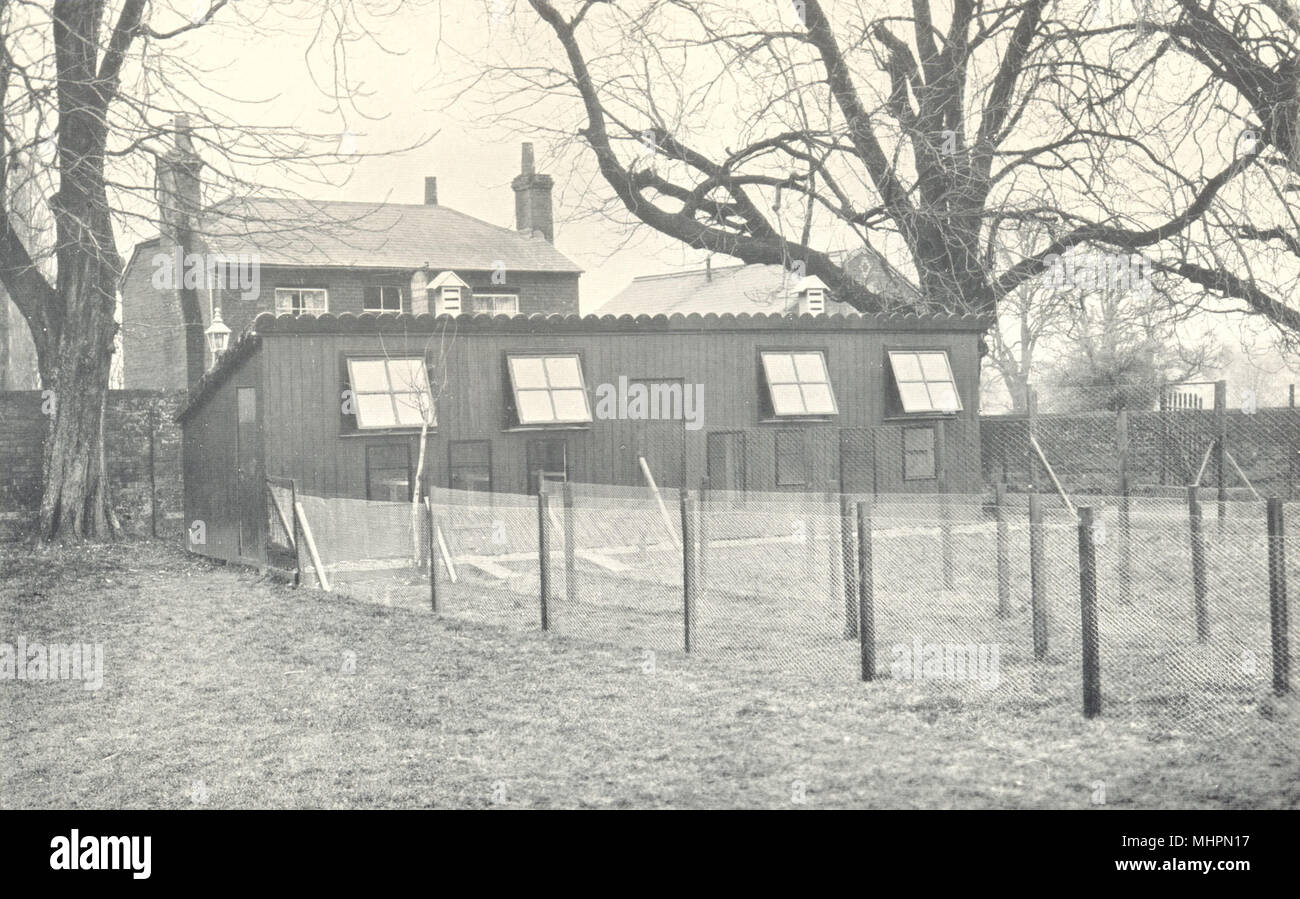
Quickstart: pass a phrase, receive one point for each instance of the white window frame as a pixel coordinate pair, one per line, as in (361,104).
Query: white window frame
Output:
(549,389)
(496,297)
(380,308)
(285,306)
(798,383)
(392,392)
(931,407)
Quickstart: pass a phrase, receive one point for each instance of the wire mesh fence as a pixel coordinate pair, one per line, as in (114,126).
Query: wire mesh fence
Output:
(967,600)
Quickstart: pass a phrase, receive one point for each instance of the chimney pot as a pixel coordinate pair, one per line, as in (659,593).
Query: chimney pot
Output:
(526,163)
(430,191)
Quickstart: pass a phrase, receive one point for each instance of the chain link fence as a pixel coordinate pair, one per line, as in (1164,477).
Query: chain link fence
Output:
(970,601)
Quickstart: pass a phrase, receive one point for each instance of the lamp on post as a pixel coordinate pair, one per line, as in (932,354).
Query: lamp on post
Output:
(218,336)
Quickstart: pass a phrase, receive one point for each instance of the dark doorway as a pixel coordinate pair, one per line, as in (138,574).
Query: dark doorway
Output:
(725,462)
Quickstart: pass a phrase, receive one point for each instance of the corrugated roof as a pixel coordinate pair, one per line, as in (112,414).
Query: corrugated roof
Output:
(318,234)
(750,289)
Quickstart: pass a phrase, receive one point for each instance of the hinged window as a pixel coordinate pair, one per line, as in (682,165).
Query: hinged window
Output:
(924,381)
(391,393)
(798,384)
(549,390)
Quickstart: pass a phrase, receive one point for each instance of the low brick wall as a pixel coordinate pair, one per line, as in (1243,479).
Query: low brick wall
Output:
(1165,448)
(144,461)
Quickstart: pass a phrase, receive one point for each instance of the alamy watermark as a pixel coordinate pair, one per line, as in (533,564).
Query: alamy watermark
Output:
(1127,272)
(652,401)
(947,661)
(208,271)
(53,661)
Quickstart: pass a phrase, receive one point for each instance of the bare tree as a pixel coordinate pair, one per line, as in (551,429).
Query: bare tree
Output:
(89,91)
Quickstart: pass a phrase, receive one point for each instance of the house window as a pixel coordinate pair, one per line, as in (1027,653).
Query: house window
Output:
(470,464)
(797,384)
(547,459)
(496,303)
(548,390)
(924,381)
(383,298)
(391,393)
(919,463)
(301,301)
(388,472)
(791,459)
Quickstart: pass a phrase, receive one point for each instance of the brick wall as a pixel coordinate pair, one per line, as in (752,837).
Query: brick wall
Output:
(144,461)
(1165,448)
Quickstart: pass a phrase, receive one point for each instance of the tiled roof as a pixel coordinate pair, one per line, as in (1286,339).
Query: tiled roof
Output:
(320,234)
(751,289)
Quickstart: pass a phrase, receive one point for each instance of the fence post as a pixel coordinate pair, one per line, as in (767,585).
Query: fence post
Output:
(570,548)
(866,595)
(689,561)
(1003,552)
(1221,446)
(1123,446)
(1031,429)
(544,550)
(848,564)
(833,568)
(433,558)
(1037,576)
(1164,434)
(1277,609)
(945,506)
(1196,530)
(1088,611)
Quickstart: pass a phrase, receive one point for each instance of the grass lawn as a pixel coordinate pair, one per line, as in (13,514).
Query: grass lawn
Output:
(224,689)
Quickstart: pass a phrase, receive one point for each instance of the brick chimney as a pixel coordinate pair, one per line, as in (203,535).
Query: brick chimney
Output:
(430,191)
(179,189)
(533,199)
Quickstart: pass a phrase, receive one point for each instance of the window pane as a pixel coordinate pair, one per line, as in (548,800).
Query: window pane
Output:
(944,398)
(786,400)
(535,407)
(527,371)
(817,399)
(906,367)
(570,405)
(368,375)
(779,368)
(408,374)
(563,371)
(375,410)
(915,398)
(409,411)
(810,367)
(935,366)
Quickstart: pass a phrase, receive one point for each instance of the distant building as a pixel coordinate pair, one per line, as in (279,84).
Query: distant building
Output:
(324,257)
(756,289)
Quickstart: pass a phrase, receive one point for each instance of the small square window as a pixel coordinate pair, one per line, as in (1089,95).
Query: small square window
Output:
(546,459)
(919,463)
(388,472)
(924,381)
(548,390)
(798,384)
(470,464)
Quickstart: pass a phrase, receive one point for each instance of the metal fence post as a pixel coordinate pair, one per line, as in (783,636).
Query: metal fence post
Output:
(544,551)
(1123,446)
(1277,603)
(1037,576)
(945,506)
(1196,531)
(702,563)
(1293,445)
(433,559)
(689,560)
(1221,446)
(1031,431)
(866,595)
(848,564)
(1003,552)
(1088,612)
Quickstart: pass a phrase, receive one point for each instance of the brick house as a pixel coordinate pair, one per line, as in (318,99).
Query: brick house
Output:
(245,256)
